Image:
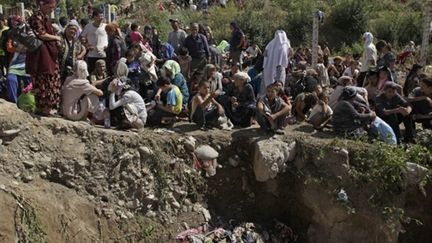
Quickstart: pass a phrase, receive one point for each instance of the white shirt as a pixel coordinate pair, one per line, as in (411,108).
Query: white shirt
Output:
(133,98)
(253,52)
(348,72)
(369,54)
(96,38)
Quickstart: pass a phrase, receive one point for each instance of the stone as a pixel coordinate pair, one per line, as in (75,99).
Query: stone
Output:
(205,152)
(270,157)
(27,179)
(10,133)
(414,173)
(150,214)
(145,152)
(28,164)
(234,162)
(176,204)
(121,203)
(189,144)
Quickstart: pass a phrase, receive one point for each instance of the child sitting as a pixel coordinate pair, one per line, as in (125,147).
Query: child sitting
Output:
(166,111)
(272,111)
(321,113)
(205,109)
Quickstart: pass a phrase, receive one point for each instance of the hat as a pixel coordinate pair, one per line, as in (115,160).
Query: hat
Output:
(174,20)
(348,93)
(338,58)
(72,24)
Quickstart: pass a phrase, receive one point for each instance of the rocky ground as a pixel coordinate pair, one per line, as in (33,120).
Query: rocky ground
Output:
(64,181)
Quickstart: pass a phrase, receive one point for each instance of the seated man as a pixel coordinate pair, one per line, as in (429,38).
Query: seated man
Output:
(272,111)
(421,101)
(346,119)
(394,109)
(166,110)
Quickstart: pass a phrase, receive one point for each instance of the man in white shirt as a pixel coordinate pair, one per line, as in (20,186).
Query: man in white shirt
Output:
(177,37)
(97,39)
(369,58)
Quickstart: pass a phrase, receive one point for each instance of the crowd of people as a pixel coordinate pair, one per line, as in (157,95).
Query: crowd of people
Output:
(127,77)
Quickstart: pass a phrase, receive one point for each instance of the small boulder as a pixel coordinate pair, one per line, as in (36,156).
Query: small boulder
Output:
(205,152)
(189,143)
(28,164)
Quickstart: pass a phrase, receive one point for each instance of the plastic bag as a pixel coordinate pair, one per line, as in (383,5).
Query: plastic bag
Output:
(27,102)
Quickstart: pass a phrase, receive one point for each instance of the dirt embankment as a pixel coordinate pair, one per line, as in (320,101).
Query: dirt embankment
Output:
(64,181)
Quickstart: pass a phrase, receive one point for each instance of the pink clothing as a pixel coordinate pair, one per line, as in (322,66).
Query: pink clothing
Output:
(135,37)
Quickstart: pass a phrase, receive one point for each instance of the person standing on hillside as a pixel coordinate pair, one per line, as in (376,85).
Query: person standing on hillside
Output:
(42,64)
(276,54)
(176,37)
(97,39)
(198,48)
(369,58)
(236,43)
(3,60)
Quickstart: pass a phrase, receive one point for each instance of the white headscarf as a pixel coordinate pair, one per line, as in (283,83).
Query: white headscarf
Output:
(146,59)
(368,38)
(80,70)
(276,54)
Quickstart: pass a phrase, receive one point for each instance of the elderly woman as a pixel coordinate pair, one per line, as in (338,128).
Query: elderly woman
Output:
(239,103)
(42,64)
(132,104)
(71,50)
(79,97)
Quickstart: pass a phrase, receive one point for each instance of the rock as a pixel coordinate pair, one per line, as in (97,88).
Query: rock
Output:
(206,214)
(28,164)
(414,173)
(130,215)
(189,144)
(205,152)
(108,212)
(150,214)
(234,162)
(27,179)
(176,204)
(121,203)
(270,157)
(9,133)
(145,152)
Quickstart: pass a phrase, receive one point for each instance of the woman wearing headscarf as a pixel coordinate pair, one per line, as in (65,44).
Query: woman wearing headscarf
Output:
(42,64)
(276,54)
(79,97)
(71,50)
(172,71)
(116,46)
(369,57)
(134,112)
(236,43)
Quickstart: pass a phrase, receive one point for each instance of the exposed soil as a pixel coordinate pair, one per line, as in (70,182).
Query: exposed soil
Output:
(78,183)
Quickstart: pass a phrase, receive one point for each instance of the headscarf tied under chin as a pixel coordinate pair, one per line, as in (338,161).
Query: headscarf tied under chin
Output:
(44,2)
(368,38)
(173,67)
(80,70)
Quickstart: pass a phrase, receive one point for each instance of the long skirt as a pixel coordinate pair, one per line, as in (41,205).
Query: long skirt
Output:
(47,90)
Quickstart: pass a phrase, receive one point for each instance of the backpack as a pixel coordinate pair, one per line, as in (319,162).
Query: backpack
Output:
(26,36)
(244,42)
